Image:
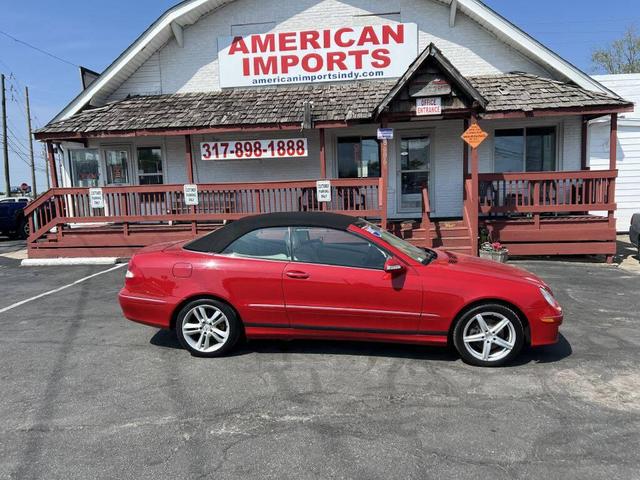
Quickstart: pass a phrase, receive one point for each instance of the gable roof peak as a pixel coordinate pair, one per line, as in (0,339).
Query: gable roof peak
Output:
(432,53)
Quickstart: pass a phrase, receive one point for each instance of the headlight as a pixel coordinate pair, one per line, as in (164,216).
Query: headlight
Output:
(129,274)
(549,297)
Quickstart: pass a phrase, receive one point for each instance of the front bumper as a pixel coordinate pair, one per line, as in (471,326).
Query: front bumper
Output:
(545,327)
(154,312)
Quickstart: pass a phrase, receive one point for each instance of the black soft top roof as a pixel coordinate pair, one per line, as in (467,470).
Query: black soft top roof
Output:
(218,240)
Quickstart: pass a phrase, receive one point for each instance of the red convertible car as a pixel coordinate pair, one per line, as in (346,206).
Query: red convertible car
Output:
(334,277)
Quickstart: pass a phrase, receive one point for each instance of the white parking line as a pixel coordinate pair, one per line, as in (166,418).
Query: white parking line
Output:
(51,292)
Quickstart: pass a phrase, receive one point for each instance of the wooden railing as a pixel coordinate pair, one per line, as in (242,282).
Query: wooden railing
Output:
(547,192)
(217,202)
(426,220)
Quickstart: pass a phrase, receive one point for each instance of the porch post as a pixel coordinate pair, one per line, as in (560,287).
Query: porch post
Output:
(323,156)
(51,160)
(584,143)
(474,197)
(188,157)
(465,153)
(613,142)
(384,178)
(613,157)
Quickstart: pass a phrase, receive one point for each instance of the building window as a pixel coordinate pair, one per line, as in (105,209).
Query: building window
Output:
(150,166)
(85,167)
(525,149)
(117,163)
(358,157)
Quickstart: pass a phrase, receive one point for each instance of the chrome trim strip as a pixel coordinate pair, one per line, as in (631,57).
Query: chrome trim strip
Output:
(354,310)
(143,299)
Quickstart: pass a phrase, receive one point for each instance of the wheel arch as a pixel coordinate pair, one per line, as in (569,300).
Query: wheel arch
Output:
(204,296)
(488,301)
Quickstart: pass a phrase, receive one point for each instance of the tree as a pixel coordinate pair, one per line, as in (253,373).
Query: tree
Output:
(622,56)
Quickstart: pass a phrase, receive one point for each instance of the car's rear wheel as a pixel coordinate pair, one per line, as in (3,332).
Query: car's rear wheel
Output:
(208,328)
(489,335)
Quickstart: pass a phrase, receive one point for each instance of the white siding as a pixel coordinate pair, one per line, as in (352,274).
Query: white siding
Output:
(145,81)
(628,161)
(194,67)
(471,48)
(260,170)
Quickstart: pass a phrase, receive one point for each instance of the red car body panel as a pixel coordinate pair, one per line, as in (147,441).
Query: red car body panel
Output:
(286,299)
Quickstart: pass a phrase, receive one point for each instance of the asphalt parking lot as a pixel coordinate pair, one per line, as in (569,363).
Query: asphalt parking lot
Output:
(86,394)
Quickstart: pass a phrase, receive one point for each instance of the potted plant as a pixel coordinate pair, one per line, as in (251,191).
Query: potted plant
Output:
(494,251)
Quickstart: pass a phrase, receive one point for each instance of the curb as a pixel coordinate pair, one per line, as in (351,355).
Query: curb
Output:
(56,262)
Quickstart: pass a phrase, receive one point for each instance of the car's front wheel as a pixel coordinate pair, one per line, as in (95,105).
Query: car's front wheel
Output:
(489,335)
(208,328)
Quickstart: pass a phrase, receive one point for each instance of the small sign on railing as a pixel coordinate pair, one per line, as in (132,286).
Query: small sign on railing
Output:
(191,194)
(323,190)
(96,198)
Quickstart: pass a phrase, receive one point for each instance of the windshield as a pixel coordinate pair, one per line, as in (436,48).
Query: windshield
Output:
(418,254)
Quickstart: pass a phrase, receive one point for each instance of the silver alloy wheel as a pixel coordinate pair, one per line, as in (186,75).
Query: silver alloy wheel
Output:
(489,336)
(205,328)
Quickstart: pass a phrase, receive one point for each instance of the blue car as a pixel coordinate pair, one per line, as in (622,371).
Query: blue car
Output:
(12,220)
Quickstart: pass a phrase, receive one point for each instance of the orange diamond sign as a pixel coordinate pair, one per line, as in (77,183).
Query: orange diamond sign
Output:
(474,135)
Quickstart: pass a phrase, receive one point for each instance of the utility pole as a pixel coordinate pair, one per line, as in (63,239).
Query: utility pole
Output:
(5,140)
(34,189)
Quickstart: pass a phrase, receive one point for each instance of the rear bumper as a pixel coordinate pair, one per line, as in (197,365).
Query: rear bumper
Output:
(154,312)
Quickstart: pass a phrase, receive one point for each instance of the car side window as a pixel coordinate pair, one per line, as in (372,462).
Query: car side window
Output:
(335,247)
(265,243)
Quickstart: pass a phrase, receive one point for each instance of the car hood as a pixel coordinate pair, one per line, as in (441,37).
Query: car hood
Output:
(489,268)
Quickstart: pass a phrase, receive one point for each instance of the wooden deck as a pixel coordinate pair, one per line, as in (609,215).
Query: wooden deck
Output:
(542,213)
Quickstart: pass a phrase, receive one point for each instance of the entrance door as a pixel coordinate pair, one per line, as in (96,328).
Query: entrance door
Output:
(415,168)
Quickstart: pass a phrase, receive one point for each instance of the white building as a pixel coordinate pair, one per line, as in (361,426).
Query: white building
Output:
(210,74)
(628,183)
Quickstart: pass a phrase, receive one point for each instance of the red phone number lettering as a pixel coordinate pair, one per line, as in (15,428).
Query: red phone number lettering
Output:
(294,147)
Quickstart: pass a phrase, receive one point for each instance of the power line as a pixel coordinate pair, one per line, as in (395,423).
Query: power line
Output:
(38,49)
(17,87)
(23,158)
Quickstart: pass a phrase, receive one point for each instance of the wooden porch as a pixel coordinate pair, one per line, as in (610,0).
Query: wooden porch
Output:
(63,223)
(541,213)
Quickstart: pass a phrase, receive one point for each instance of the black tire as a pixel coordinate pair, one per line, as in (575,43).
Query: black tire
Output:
(23,229)
(191,315)
(492,315)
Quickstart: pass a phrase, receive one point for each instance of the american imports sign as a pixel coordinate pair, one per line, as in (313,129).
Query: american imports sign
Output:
(309,56)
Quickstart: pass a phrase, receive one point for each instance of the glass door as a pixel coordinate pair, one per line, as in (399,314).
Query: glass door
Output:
(116,160)
(415,167)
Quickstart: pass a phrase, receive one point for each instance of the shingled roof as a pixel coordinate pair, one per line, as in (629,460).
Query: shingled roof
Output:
(525,92)
(340,102)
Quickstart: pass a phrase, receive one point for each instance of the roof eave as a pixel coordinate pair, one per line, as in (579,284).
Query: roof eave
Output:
(479,11)
(164,22)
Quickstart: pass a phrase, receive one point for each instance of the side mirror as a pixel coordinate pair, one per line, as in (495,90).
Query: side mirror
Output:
(393,266)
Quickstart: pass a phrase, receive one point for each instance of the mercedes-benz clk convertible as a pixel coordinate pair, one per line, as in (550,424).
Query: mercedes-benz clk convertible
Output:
(331,277)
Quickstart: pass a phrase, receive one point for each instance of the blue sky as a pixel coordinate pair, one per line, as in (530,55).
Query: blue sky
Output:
(88,34)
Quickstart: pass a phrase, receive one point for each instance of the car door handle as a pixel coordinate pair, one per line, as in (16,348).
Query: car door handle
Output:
(297,274)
